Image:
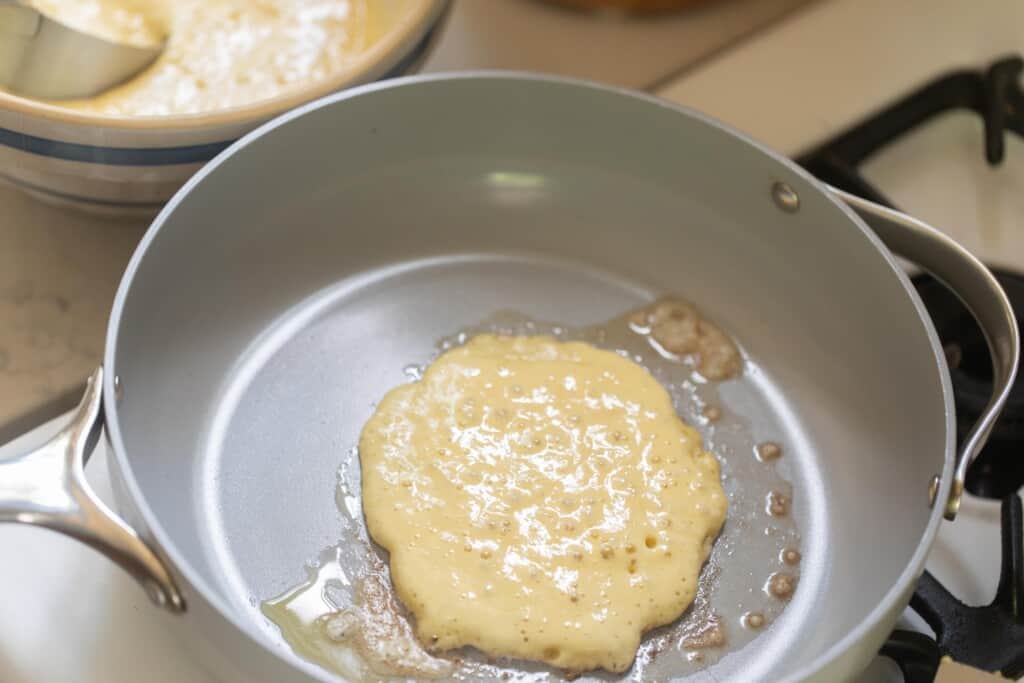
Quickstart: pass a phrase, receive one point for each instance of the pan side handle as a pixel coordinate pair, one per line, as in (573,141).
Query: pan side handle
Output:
(977,288)
(47,488)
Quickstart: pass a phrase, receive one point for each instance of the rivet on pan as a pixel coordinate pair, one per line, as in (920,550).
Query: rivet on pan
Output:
(785,197)
(933,489)
(118,389)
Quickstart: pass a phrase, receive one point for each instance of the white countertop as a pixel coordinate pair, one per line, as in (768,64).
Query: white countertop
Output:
(801,81)
(528,35)
(68,615)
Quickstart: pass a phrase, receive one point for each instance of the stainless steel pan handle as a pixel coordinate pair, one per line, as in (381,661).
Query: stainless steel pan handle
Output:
(47,488)
(976,287)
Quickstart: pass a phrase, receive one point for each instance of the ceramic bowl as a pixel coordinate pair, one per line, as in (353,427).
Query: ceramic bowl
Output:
(133,165)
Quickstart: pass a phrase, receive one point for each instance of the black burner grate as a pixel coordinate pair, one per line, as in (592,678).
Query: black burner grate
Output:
(989,637)
(994,94)
(999,470)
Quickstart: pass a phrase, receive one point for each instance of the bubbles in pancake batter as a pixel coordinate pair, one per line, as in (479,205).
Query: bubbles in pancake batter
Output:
(768,451)
(781,585)
(777,504)
(712,413)
(753,620)
(710,635)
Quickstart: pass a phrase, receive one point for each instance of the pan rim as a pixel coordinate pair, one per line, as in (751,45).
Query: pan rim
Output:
(247,627)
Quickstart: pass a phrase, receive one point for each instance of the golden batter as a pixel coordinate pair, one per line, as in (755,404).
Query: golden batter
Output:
(225,53)
(539,500)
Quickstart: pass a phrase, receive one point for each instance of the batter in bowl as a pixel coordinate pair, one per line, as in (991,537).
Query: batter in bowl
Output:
(540,500)
(225,53)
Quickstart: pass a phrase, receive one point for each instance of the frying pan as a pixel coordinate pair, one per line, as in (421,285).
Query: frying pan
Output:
(285,287)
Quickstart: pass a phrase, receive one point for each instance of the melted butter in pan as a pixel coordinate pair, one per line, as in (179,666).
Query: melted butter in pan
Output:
(373,634)
(733,586)
(678,330)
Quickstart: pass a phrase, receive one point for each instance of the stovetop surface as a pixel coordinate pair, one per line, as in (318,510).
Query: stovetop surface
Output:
(989,634)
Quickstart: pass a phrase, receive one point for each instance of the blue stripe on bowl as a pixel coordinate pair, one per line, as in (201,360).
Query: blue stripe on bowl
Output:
(165,156)
(111,156)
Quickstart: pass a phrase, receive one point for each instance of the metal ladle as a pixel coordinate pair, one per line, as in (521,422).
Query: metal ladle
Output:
(43,58)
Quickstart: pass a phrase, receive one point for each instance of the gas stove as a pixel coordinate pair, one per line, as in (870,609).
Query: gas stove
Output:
(986,635)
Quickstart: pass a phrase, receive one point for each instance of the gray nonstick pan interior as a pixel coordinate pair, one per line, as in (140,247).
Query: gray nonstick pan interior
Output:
(286,292)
